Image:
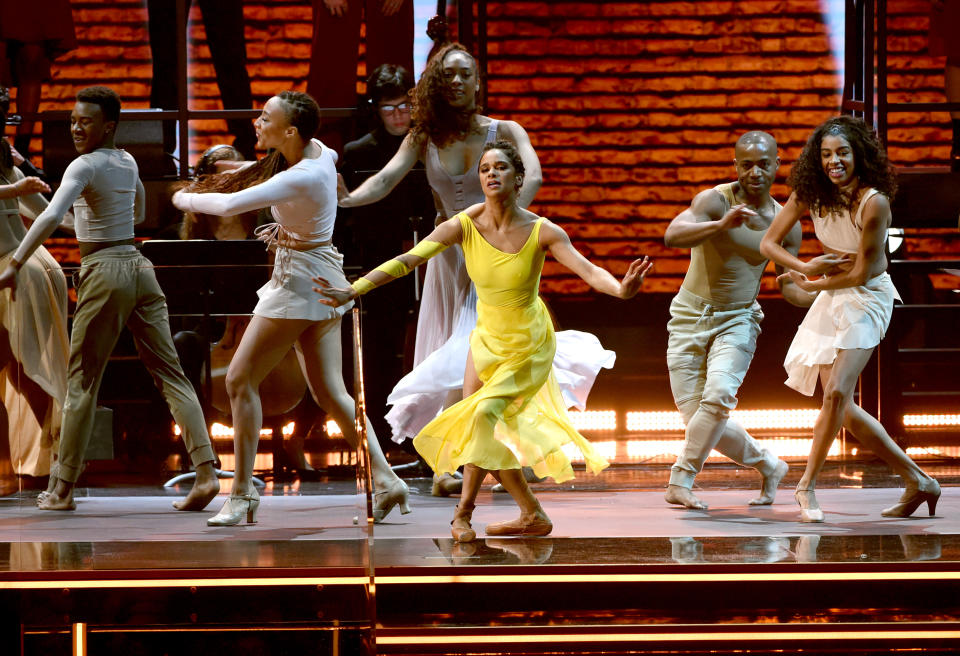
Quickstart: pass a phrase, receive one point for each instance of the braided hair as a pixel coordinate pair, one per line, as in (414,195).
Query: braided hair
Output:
(303,113)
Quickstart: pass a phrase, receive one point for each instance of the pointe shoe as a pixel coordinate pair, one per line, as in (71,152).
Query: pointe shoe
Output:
(808,513)
(445,485)
(913,499)
(540,524)
(395,494)
(460,527)
(235,509)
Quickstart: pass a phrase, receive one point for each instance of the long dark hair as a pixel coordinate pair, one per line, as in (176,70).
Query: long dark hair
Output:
(433,117)
(870,162)
(303,113)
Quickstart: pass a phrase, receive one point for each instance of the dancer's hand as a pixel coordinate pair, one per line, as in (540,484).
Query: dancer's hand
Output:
(9,279)
(343,194)
(824,263)
(333,296)
(633,280)
(30,185)
(178,200)
(18,159)
(390,7)
(336,7)
(735,216)
(797,279)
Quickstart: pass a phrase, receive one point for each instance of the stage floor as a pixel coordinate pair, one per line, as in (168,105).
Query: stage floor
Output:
(618,517)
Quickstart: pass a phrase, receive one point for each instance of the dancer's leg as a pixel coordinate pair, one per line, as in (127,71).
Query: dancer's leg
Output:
(873,436)
(150,326)
(718,374)
(320,352)
(104,300)
(263,345)
(838,383)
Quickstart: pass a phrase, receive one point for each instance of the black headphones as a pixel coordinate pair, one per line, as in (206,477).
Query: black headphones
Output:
(205,165)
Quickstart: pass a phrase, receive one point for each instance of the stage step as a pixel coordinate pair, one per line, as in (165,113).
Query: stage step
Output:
(648,609)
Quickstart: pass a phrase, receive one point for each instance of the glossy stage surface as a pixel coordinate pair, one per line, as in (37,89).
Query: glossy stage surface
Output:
(616,518)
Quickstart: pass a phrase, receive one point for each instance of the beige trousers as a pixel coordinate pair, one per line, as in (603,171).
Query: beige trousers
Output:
(117,287)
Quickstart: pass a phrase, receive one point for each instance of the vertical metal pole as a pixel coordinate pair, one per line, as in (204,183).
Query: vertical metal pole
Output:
(79,639)
(482,59)
(183,102)
(364,478)
(868,86)
(882,71)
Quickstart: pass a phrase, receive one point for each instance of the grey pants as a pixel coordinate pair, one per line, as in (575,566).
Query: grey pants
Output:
(708,353)
(117,287)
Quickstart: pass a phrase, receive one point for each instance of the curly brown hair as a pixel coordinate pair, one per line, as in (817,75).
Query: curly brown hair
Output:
(433,117)
(871,166)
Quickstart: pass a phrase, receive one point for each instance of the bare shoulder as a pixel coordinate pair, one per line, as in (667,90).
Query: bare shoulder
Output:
(474,210)
(709,205)
(551,233)
(877,202)
(511,131)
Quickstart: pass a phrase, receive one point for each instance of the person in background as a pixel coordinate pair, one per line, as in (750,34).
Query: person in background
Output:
(32,35)
(335,50)
(375,232)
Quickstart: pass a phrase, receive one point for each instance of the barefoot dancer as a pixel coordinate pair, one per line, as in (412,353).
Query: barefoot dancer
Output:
(513,413)
(844,179)
(303,198)
(715,318)
(117,287)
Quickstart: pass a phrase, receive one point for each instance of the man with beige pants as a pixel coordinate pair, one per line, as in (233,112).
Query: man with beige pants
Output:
(715,317)
(116,286)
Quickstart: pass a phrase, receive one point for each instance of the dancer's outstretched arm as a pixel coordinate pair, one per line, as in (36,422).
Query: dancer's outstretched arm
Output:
(381,183)
(555,239)
(443,236)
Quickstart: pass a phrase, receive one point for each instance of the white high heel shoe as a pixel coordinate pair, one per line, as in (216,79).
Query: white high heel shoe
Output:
(235,509)
(811,511)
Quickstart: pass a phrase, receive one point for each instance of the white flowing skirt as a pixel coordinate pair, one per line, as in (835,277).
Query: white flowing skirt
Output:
(448,314)
(839,319)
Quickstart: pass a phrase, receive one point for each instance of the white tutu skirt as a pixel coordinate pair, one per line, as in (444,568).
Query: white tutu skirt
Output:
(419,396)
(289,293)
(839,319)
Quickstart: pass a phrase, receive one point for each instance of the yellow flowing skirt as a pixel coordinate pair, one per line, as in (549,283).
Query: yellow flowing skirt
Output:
(518,417)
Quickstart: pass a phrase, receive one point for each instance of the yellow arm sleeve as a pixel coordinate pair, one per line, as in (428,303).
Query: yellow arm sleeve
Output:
(397,268)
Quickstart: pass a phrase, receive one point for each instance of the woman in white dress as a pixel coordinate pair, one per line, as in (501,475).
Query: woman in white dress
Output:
(298,182)
(448,137)
(845,181)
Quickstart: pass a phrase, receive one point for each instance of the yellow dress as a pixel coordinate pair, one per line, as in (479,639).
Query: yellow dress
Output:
(518,417)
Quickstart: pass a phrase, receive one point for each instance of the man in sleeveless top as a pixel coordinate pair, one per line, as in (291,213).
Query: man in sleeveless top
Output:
(116,286)
(715,317)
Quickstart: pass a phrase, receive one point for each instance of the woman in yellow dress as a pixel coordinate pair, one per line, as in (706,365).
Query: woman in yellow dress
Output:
(512,413)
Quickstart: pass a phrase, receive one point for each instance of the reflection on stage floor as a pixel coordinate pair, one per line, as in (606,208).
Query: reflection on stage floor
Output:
(616,518)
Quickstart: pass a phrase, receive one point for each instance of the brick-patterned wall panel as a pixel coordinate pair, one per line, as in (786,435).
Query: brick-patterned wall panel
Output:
(632,106)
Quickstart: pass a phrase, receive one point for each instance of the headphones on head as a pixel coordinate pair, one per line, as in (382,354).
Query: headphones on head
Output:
(205,165)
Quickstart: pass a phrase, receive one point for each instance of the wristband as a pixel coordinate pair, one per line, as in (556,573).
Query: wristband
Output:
(362,286)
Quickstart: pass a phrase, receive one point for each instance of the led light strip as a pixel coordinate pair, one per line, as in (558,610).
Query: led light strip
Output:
(713,636)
